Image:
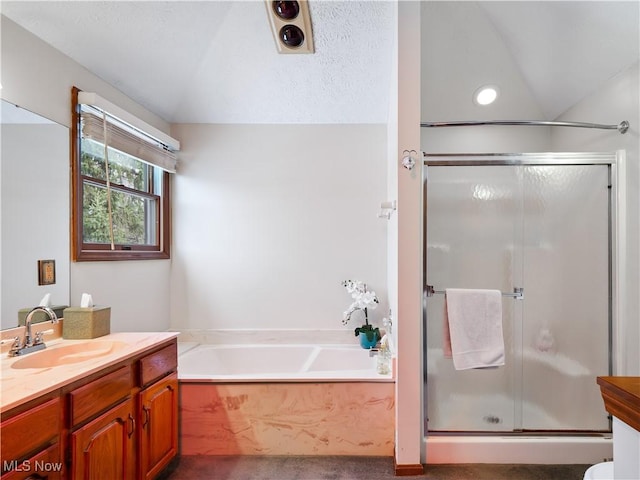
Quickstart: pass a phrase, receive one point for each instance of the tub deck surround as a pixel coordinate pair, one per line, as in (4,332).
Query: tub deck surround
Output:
(342,336)
(20,385)
(287,419)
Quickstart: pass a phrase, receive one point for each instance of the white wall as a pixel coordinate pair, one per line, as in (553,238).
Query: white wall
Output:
(485,139)
(269,219)
(618,100)
(462,50)
(39,78)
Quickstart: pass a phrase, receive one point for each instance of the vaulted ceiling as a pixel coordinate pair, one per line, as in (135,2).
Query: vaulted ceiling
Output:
(216,61)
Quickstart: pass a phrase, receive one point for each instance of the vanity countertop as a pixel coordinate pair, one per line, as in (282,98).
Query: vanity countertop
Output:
(622,398)
(19,385)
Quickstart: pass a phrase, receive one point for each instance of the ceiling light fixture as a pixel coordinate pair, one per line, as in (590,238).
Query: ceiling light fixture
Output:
(485,95)
(291,25)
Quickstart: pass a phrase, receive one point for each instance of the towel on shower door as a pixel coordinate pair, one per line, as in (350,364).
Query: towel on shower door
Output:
(473,328)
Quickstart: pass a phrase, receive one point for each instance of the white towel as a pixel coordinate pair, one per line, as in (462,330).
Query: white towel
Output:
(473,328)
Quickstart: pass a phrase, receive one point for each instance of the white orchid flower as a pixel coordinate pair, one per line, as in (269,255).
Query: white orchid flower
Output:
(368,300)
(363,299)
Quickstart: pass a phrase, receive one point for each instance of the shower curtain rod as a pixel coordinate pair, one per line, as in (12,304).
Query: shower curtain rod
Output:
(622,127)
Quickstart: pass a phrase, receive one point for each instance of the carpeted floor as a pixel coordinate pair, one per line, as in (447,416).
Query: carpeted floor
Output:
(347,468)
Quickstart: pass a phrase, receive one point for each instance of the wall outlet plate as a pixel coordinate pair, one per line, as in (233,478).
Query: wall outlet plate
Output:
(46,272)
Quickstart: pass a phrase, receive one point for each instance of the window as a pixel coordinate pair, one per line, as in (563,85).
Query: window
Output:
(121,185)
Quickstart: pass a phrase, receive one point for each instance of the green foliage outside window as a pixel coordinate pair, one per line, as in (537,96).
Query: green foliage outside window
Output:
(130,212)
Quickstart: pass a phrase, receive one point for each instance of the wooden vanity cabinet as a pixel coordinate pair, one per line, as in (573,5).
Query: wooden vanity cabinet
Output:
(137,435)
(120,423)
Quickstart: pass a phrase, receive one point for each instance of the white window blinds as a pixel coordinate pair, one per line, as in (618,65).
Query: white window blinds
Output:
(133,137)
(127,142)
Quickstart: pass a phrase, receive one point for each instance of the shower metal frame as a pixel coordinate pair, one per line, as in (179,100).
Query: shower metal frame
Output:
(612,159)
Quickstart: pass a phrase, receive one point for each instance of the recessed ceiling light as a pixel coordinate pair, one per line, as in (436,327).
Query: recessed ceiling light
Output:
(485,95)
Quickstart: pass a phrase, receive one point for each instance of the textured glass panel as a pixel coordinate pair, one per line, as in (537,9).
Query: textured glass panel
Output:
(565,323)
(471,243)
(545,229)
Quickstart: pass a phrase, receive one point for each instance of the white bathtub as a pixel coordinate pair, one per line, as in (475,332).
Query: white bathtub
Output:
(276,363)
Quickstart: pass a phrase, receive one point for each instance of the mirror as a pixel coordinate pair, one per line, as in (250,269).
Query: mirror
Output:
(34,204)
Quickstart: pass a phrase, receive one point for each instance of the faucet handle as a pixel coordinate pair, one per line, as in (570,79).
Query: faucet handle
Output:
(38,340)
(15,342)
(15,346)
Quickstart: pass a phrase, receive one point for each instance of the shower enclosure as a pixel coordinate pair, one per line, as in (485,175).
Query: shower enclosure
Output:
(539,225)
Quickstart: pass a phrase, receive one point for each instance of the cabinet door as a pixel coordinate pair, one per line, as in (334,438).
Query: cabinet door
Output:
(104,449)
(159,425)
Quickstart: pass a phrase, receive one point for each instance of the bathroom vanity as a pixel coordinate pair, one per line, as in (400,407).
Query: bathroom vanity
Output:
(621,397)
(107,405)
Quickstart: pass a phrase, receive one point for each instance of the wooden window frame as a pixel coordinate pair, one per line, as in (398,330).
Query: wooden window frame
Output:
(87,252)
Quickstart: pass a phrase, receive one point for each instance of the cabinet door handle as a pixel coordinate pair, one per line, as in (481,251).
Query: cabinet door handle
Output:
(147,416)
(132,423)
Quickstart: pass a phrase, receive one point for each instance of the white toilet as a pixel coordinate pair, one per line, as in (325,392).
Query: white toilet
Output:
(599,471)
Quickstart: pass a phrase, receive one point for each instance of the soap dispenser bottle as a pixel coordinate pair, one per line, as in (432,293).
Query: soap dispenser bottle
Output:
(383,365)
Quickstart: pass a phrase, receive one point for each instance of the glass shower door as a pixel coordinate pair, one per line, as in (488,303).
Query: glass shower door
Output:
(566,307)
(543,228)
(473,239)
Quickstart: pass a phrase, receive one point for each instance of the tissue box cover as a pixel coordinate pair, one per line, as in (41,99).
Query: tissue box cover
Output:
(39,316)
(81,323)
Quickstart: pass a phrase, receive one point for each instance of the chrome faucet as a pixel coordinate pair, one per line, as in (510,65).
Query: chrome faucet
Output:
(30,344)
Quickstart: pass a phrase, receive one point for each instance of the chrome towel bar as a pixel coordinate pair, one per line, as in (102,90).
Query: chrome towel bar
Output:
(518,292)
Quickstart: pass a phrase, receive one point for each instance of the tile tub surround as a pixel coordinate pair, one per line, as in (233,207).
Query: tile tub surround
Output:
(21,385)
(345,418)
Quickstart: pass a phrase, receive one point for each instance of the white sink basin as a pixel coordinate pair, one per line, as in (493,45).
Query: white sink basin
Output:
(68,354)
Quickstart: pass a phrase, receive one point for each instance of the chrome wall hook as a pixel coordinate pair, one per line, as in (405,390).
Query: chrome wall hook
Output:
(408,161)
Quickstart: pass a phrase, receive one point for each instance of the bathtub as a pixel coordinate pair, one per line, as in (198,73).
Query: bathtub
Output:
(292,399)
(277,363)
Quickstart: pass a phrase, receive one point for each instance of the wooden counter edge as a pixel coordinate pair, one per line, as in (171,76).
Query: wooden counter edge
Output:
(621,397)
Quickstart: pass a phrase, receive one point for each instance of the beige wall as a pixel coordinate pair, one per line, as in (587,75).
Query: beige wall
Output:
(269,219)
